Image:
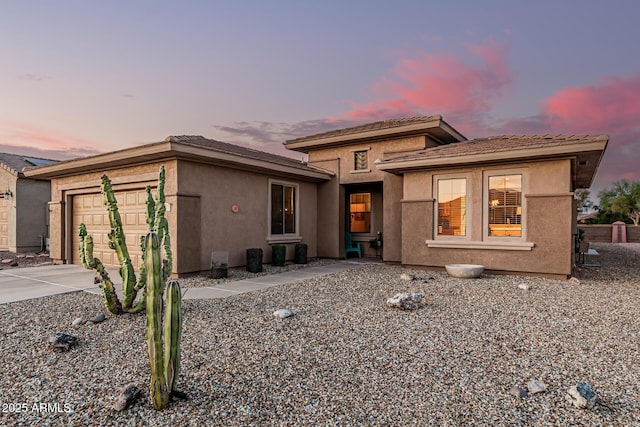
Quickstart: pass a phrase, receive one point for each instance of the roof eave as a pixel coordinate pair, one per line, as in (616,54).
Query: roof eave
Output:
(163,151)
(399,166)
(421,128)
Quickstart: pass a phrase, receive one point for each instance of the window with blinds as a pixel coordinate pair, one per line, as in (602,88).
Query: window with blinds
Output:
(505,205)
(452,207)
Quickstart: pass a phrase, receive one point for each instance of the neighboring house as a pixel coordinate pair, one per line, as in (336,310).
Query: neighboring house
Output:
(24,213)
(437,198)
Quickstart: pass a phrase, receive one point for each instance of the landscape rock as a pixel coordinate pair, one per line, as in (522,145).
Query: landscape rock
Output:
(10,262)
(59,341)
(127,397)
(523,286)
(405,301)
(99,318)
(78,321)
(407,277)
(582,396)
(574,280)
(283,313)
(535,387)
(518,392)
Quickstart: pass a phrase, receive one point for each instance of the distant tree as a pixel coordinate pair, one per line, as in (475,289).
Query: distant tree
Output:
(623,198)
(582,195)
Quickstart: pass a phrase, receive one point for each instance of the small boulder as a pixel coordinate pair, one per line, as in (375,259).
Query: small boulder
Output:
(582,396)
(523,286)
(535,387)
(518,392)
(405,301)
(59,341)
(99,318)
(78,321)
(407,277)
(574,281)
(283,313)
(127,397)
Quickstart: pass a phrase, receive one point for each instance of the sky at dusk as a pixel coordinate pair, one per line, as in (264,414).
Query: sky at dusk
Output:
(83,77)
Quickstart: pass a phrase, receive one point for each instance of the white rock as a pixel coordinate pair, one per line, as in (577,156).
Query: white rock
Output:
(78,321)
(405,301)
(523,286)
(407,277)
(535,386)
(582,396)
(283,313)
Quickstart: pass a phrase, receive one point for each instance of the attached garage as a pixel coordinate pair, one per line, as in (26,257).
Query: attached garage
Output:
(90,210)
(218,198)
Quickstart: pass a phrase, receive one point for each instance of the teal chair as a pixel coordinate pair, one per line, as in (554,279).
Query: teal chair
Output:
(350,246)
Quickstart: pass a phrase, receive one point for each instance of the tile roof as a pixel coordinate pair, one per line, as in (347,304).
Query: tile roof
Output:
(16,163)
(385,124)
(238,150)
(497,144)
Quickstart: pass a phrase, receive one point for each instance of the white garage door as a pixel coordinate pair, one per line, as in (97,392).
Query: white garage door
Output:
(89,209)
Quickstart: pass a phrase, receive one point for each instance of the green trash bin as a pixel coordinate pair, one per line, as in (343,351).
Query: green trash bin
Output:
(278,255)
(300,254)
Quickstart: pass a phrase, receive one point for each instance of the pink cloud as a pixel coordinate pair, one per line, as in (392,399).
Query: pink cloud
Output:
(613,104)
(441,84)
(24,138)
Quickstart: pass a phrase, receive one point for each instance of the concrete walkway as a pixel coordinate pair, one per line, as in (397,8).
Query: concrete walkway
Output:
(21,284)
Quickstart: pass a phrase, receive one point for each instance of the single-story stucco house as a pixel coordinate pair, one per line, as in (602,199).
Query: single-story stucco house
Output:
(24,216)
(433,197)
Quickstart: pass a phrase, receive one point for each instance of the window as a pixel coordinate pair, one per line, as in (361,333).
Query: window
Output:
(360,160)
(360,213)
(505,205)
(452,207)
(283,209)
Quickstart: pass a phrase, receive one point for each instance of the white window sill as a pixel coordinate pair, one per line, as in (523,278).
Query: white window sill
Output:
(504,246)
(360,171)
(284,239)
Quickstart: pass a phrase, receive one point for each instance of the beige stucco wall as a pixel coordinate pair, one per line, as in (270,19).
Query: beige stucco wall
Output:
(547,220)
(332,214)
(211,192)
(199,199)
(27,211)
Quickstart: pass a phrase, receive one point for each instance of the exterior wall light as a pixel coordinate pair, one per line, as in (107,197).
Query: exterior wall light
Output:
(8,194)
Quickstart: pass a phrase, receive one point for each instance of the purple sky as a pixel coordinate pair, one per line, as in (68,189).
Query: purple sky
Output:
(82,77)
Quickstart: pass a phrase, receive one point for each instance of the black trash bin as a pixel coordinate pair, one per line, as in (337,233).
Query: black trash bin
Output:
(278,255)
(254,260)
(300,253)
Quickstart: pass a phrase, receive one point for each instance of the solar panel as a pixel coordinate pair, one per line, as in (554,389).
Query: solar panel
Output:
(38,162)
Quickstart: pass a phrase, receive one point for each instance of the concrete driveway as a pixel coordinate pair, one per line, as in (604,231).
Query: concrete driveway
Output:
(18,284)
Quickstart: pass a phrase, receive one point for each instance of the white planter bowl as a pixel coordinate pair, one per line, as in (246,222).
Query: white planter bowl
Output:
(464,271)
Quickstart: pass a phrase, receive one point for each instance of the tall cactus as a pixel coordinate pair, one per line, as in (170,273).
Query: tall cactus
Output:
(163,341)
(156,222)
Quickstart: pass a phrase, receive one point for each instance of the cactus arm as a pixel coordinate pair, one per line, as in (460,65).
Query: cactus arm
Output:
(109,295)
(82,232)
(117,241)
(151,209)
(172,332)
(158,392)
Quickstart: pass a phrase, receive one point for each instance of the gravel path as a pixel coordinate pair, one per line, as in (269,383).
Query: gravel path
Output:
(345,359)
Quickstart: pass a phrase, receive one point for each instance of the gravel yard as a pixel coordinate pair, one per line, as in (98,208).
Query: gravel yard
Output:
(344,358)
